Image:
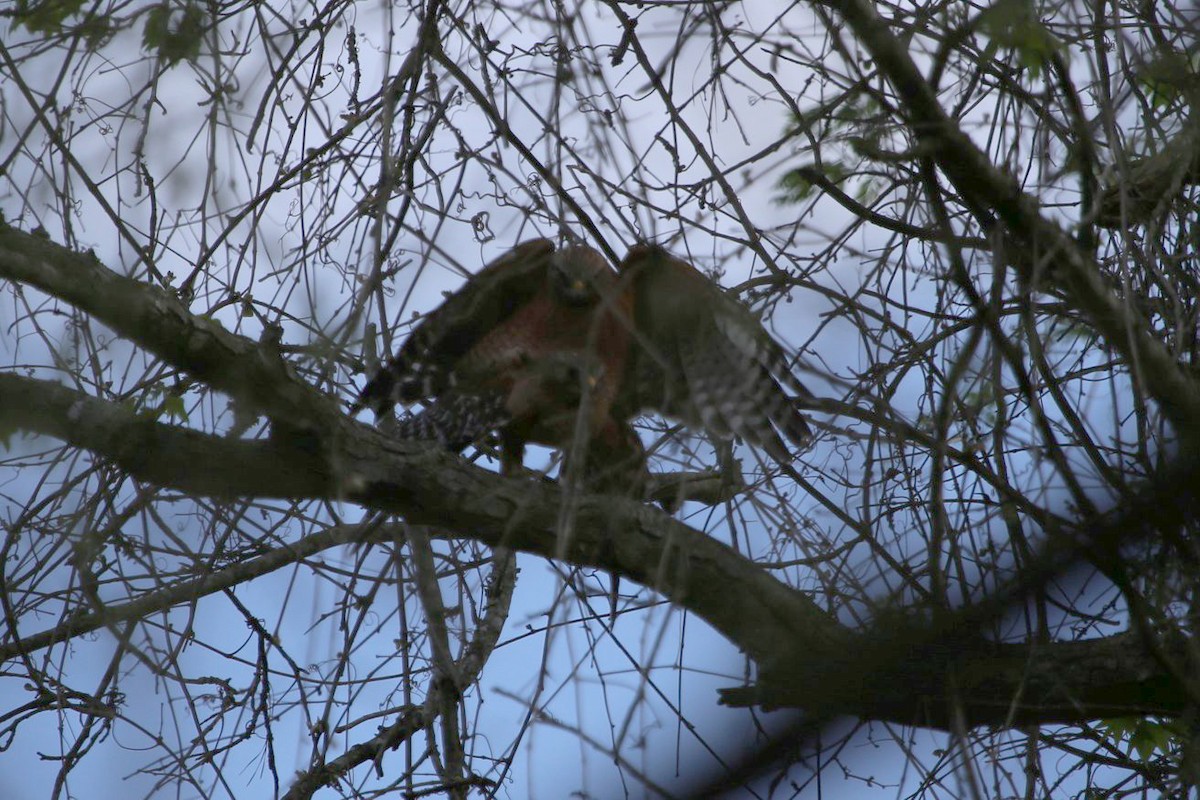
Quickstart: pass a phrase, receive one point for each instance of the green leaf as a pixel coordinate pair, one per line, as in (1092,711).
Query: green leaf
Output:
(173,407)
(1014,25)
(1166,78)
(6,432)
(1146,737)
(174,36)
(45,16)
(96,30)
(1119,727)
(1142,744)
(157,20)
(795,187)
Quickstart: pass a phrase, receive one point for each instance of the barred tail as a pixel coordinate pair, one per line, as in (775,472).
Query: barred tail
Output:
(401,382)
(456,420)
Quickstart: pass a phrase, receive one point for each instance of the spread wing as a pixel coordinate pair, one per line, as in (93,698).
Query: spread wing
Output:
(702,356)
(425,365)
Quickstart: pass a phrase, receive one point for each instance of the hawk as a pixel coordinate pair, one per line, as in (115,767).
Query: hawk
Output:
(541,333)
(520,347)
(702,357)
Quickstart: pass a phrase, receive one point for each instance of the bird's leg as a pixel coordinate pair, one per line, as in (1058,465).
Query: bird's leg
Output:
(388,423)
(730,467)
(570,474)
(589,463)
(512,455)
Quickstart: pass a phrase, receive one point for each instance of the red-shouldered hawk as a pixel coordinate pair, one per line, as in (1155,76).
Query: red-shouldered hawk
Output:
(497,349)
(701,356)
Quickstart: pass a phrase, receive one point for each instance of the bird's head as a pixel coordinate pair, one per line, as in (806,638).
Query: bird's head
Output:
(643,257)
(578,273)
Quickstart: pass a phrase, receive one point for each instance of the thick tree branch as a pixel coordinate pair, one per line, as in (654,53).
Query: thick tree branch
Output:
(429,486)
(811,661)
(158,321)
